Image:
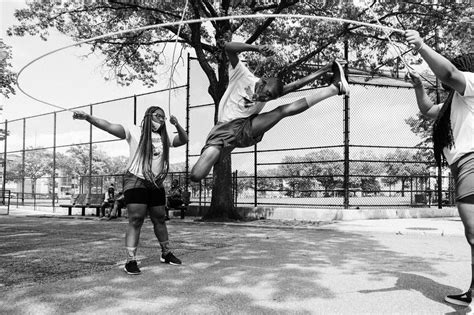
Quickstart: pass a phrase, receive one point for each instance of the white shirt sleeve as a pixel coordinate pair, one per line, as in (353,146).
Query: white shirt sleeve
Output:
(469,91)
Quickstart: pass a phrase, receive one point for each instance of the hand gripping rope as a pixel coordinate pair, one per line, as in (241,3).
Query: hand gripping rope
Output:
(220,18)
(395,47)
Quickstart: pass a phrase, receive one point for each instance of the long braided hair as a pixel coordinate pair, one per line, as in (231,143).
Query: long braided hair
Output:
(442,131)
(144,154)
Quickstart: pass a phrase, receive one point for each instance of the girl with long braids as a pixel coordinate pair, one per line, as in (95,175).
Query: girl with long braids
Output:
(143,183)
(453,133)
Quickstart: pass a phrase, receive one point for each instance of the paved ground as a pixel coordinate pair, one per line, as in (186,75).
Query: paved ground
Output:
(58,265)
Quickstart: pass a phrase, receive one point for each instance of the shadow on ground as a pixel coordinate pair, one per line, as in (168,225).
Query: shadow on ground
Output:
(57,265)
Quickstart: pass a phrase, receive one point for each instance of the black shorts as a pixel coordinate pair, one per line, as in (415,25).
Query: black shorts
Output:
(463,173)
(233,134)
(137,190)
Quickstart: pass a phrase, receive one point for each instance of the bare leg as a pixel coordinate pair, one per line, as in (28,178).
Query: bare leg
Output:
(136,216)
(264,122)
(158,218)
(205,162)
(466,212)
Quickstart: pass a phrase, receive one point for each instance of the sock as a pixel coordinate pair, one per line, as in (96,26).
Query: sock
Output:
(131,253)
(165,247)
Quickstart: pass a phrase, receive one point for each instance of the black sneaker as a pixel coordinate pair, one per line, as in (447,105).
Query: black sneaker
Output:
(131,268)
(463,299)
(339,80)
(170,259)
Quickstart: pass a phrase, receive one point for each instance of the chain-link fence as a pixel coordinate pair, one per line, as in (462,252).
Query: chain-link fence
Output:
(357,151)
(50,158)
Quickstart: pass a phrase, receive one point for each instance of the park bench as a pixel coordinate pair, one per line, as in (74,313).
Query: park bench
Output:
(84,201)
(184,207)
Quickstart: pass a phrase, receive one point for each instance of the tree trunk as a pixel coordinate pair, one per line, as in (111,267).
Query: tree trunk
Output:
(222,207)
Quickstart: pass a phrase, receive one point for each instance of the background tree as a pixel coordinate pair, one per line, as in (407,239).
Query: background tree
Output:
(328,168)
(7,76)
(366,164)
(38,162)
(269,180)
(134,56)
(295,172)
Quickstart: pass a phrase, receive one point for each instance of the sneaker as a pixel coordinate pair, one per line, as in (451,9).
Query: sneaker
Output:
(339,79)
(463,299)
(131,268)
(170,259)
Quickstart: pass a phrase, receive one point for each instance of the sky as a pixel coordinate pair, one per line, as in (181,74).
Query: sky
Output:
(66,79)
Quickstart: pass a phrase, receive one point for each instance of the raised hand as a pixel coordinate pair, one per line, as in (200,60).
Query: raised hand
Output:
(173,120)
(415,79)
(78,114)
(267,50)
(414,40)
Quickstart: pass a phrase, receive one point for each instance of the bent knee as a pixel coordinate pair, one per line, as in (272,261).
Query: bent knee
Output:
(195,177)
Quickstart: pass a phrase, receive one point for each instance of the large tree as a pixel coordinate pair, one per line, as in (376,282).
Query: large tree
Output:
(133,56)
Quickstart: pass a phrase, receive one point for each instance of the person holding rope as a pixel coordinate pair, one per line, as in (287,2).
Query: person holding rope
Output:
(453,132)
(143,183)
(239,122)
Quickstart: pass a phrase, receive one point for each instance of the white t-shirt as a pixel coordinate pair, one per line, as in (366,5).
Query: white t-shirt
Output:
(132,135)
(237,99)
(462,122)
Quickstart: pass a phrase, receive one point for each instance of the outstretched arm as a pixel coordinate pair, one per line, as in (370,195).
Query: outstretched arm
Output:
(426,106)
(114,129)
(234,48)
(182,137)
(441,67)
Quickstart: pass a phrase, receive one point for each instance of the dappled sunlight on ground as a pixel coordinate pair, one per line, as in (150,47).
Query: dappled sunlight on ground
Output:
(225,269)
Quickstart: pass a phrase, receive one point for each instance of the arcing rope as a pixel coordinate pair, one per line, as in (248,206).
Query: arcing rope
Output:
(220,18)
(397,49)
(173,66)
(387,35)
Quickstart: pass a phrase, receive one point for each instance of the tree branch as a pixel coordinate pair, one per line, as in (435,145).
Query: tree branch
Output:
(196,43)
(262,27)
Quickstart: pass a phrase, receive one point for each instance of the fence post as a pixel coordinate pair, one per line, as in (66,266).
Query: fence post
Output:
(346,132)
(90,155)
(255,175)
(5,161)
(54,159)
(186,166)
(23,164)
(440,170)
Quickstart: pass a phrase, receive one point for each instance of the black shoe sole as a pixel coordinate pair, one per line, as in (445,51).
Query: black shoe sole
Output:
(456,302)
(169,263)
(131,273)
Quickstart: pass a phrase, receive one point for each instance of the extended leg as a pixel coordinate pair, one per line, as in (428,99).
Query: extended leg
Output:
(205,162)
(339,86)
(264,122)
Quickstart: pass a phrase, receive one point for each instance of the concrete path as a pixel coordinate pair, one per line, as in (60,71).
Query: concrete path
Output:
(61,265)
